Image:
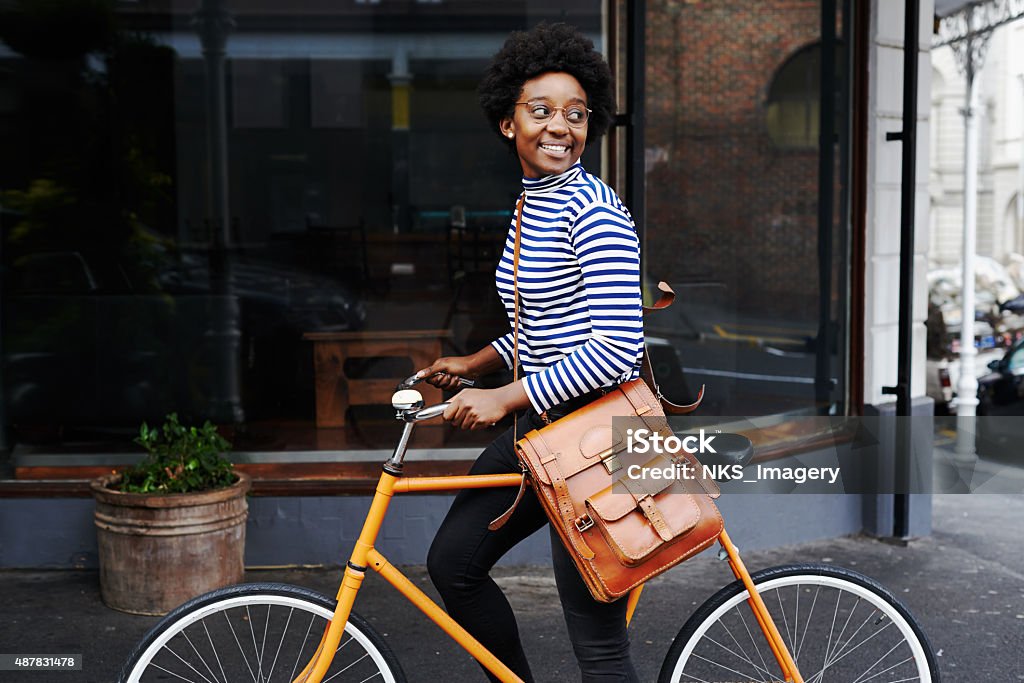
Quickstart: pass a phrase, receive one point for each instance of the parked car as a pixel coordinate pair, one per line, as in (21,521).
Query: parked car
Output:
(1001,390)
(1000,422)
(943,375)
(998,322)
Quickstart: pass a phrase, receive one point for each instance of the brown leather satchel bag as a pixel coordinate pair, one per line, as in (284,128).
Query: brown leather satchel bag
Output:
(619,530)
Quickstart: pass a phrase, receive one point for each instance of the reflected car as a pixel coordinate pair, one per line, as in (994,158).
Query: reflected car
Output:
(87,344)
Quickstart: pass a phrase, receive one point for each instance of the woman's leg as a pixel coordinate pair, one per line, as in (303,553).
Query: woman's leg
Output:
(464,550)
(597,629)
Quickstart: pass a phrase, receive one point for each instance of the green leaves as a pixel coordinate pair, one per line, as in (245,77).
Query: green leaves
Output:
(180,459)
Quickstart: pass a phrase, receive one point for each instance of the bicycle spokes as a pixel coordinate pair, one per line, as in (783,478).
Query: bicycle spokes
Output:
(834,630)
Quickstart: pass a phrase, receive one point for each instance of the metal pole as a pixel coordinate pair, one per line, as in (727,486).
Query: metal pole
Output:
(1020,169)
(635,173)
(908,186)
(826,191)
(213,23)
(967,386)
(401,80)
(3,389)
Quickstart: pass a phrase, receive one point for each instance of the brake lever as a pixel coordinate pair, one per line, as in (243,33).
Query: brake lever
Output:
(410,382)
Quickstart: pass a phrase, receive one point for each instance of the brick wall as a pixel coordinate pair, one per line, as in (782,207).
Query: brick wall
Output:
(723,203)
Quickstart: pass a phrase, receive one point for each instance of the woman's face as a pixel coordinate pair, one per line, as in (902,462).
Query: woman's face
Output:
(549,147)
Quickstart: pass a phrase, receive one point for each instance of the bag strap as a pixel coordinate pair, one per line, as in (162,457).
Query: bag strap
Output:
(515,302)
(647,374)
(500,520)
(566,509)
(665,299)
(645,501)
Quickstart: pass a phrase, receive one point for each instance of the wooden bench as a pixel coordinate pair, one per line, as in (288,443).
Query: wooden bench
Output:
(335,391)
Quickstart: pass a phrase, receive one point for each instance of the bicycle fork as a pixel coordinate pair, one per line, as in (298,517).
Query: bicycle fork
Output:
(764,619)
(352,580)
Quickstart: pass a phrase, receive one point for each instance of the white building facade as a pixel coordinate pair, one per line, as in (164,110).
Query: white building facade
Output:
(1000,156)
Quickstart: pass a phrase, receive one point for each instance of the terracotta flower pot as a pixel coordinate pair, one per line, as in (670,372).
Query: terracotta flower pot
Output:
(157,551)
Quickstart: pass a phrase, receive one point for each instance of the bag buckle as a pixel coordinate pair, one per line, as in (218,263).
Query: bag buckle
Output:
(611,463)
(583,522)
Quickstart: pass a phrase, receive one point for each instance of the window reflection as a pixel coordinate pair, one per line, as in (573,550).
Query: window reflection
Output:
(190,190)
(733,207)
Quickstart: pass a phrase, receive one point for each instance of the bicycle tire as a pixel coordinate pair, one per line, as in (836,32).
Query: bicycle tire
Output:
(722,637)
(257,631)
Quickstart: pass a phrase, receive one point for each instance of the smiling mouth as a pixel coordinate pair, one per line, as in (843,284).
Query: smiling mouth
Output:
(558,149)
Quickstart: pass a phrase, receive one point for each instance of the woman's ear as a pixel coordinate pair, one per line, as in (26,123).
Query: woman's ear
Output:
(507,127)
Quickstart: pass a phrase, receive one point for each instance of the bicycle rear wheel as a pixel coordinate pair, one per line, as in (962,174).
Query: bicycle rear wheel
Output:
(264,632)
(840,626)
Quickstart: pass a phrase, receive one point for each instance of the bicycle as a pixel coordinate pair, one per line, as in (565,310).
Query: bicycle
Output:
(836,624)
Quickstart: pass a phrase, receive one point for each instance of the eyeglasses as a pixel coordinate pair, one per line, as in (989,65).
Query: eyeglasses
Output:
(575,115)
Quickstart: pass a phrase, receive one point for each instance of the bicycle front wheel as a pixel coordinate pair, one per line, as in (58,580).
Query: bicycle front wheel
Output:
(839,626)
(264,632)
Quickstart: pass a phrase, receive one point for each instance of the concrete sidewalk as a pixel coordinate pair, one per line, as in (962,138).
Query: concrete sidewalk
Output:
(965,584)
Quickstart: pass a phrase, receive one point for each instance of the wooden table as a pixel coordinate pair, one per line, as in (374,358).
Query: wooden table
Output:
(335,391)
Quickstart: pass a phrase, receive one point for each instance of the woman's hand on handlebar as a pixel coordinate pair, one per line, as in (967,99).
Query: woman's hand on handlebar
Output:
(475,408)
(482,408)
(445,372)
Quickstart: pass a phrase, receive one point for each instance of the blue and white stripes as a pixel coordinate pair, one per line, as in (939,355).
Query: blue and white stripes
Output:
(581,319)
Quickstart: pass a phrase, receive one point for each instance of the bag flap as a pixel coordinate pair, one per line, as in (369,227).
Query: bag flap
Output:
(615,502)
(584,437)
(633,533)
(601,441)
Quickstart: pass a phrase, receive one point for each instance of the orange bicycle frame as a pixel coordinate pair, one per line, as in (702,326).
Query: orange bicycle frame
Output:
(365,556)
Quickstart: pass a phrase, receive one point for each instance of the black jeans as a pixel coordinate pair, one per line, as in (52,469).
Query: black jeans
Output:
(464,551)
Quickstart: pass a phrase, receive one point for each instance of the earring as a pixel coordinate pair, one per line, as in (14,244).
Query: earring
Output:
(511,135)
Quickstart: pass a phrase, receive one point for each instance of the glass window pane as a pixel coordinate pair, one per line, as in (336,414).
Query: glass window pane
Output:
(193,192)
(735,191)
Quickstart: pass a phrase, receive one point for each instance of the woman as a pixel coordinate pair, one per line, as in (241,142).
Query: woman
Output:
(547,93)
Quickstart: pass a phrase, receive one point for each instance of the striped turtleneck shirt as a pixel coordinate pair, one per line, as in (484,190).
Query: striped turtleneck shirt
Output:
(580,316)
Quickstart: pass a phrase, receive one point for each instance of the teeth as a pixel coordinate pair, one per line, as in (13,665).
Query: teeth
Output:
(555,148)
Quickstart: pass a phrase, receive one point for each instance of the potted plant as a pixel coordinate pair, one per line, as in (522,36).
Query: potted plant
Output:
(172,526)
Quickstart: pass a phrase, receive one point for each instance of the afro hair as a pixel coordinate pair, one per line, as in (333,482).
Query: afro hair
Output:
(544,49)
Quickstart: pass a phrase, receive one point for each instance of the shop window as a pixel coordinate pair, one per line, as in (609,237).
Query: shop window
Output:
(141,275)
(734,224)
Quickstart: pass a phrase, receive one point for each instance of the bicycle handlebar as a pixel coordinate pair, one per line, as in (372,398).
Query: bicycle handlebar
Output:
(409,414)
(410,382)
(426,413)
